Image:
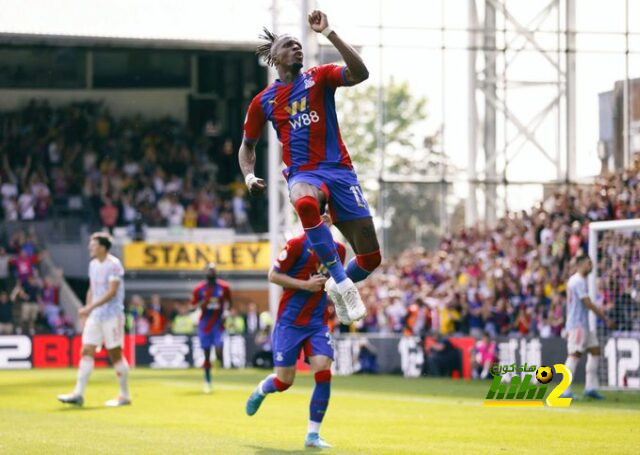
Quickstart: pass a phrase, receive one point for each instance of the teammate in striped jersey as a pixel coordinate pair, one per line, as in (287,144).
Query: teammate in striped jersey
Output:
(214,298)
(301,325)
(301,108)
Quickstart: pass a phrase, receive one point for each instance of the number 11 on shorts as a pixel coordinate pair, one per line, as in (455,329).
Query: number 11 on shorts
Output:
(357,194)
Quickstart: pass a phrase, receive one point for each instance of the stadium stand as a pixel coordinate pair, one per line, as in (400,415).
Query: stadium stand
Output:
(29,291)
(116,171)
(513,282)
(133,172)
(509,280)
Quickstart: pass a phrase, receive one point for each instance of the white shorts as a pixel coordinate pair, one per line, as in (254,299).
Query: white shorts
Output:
(580,339)
(110,332)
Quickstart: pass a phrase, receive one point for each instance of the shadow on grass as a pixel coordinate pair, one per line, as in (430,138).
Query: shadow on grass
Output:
(80,408)
(196,393)
(260,450)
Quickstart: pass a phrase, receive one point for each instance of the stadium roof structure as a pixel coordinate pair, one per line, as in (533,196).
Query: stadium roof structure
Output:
(29,39)
(188,24)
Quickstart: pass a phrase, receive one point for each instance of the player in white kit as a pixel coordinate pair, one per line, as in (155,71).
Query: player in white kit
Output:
(580,337)
(104,320)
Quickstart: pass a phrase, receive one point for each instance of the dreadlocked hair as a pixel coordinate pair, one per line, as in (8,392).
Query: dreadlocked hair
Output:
(264,49)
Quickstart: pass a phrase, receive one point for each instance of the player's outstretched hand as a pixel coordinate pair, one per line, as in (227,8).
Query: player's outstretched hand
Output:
(318,21)
(315,283)
(611,324)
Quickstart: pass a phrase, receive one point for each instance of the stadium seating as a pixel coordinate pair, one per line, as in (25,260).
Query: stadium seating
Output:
(116,171)
(132,171)
(509,279)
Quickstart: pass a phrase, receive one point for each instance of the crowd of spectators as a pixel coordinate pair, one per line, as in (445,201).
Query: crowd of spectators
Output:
(155,316)
(507,279)
(510,279)
(29,302)
(120,171)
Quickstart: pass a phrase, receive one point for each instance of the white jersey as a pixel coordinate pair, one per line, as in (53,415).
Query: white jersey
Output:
(100,275)
(577,312)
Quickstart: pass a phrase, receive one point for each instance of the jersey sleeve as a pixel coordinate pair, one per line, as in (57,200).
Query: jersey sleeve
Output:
(227,293)
(194,295)
(254,121)
(581,289)
(288,256)
(116,272)
(333,75)
(342,251)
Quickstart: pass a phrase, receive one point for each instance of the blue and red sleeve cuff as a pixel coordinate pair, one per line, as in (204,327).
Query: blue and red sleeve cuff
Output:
(249,140)
(343,75)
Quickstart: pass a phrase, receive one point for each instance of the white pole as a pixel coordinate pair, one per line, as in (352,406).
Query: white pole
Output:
(570,69)
(470,213)
(626,114)
(615,224)
(380,139)
(273,192)
(593,254)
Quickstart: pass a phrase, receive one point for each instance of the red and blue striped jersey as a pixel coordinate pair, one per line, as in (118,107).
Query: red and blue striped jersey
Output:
(212,300)
(303,113)
(298,260)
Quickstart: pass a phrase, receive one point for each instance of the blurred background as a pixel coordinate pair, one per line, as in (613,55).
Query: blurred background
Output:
(490,134)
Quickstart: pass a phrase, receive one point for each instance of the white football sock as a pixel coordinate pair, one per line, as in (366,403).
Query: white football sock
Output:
(314,427)
(591,372)
(122,370)
(571,363)
(85,367)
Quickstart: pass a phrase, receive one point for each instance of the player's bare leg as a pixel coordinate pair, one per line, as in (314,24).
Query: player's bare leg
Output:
(321,369)
(206,368)
(361,234)
(591,383)
(307,200)
(278,382)
(572,362)
(219,355)
(85,367)
(121,366)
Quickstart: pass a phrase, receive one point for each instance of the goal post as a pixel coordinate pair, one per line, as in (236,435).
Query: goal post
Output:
(614,283)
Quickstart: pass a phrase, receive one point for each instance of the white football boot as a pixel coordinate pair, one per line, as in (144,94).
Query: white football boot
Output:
(120,401)
(352,300)
(314,441)
(331,288)
(70,398)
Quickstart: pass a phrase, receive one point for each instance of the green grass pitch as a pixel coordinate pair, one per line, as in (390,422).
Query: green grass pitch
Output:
(367,414)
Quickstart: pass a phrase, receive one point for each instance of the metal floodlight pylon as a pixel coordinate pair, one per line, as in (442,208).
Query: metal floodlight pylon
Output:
(490,83)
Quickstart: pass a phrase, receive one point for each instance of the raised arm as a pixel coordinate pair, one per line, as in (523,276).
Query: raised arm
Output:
(356,69)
